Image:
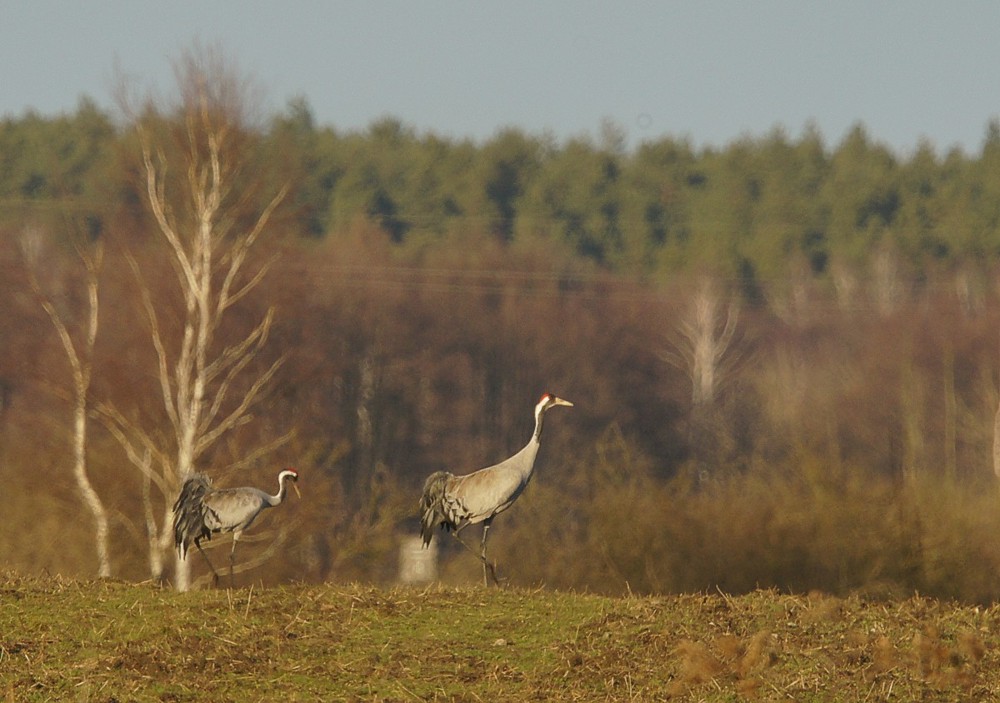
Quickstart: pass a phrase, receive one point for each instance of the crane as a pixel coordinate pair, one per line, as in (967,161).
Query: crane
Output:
(454,502)
(200,511)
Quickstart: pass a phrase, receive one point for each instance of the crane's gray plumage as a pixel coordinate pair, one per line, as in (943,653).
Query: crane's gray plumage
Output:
(454,502)
(201,511)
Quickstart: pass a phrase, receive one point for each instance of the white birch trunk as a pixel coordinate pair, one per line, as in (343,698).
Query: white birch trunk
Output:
(86,488)
(80,361)
(153,536)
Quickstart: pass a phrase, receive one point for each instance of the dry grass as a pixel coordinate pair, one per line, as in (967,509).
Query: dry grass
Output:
(63,640)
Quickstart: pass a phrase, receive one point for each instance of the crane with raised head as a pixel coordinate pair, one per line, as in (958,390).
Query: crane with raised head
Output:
(201,511)
(455,502)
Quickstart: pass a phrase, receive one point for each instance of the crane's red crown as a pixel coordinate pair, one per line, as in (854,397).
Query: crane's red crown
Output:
(550,399)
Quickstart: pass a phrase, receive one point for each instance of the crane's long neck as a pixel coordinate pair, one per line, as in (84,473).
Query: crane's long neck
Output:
(524,461)
(282,490)
(536,437)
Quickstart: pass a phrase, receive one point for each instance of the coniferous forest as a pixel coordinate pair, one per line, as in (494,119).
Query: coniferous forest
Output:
(784,352)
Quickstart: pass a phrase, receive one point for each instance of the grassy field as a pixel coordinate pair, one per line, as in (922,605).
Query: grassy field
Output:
(108,641)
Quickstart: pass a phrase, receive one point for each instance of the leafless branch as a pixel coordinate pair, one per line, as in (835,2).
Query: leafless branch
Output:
(240,250)
(138,445)
(234,418)
(259,452)
(163,372)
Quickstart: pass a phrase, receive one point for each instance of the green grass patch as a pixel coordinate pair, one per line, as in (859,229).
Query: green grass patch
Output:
(111,641)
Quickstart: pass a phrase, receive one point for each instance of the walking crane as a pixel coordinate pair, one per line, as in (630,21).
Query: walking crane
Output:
(201,511)
(455,502)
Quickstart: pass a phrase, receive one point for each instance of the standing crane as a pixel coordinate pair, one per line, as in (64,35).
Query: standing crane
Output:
(200,511)
(454,502)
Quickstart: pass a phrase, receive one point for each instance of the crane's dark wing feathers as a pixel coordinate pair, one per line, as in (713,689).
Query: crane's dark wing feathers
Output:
(437,507)
(189,513)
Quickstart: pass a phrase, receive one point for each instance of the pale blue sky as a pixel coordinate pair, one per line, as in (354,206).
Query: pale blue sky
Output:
(707,70)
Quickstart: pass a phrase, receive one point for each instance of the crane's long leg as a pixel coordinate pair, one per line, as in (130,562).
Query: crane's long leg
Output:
(209,562)
(486,529)
(489,570)
(481,554)
(232,558)
(454,533)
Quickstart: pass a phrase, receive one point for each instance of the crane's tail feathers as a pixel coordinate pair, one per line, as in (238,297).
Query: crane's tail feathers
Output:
(189,514)
(432,506)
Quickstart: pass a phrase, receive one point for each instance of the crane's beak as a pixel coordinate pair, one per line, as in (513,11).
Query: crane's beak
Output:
(560,401)
(296,487)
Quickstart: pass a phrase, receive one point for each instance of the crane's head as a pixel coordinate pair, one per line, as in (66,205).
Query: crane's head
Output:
(549,400)
(291,475)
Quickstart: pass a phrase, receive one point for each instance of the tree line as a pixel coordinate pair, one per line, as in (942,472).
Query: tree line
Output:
(783,355)
(753,210)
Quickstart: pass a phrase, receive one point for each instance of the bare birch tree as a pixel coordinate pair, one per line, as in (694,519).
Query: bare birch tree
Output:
(198,215)
(80,353)
(703,346)
(702,343)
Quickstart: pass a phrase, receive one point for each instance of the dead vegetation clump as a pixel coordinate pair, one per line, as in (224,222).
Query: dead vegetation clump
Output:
(728,659)
(947,662)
